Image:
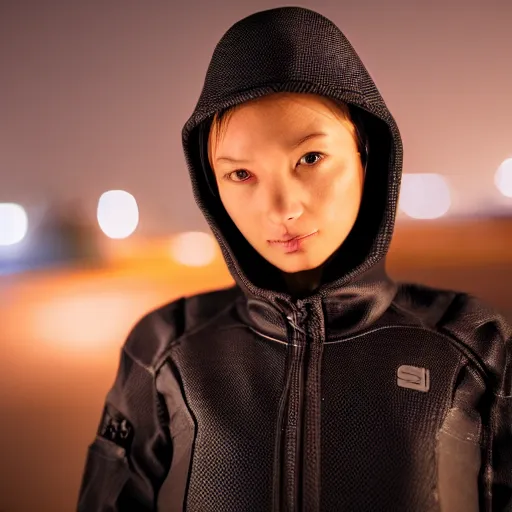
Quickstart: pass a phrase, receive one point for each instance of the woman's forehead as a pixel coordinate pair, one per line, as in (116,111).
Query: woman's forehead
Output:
(286,117)
(287,103)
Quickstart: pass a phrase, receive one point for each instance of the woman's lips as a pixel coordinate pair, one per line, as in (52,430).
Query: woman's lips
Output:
(293,244)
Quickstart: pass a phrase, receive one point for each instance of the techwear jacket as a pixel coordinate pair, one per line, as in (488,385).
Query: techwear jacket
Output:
(366,395)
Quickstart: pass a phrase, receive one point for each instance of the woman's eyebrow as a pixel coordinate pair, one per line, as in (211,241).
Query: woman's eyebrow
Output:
(296,144)
(302,140)
(232,160)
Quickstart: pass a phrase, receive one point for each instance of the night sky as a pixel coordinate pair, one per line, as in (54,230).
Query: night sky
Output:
(93,94)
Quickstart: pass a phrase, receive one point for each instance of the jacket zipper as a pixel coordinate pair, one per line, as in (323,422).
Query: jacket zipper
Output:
(295,411)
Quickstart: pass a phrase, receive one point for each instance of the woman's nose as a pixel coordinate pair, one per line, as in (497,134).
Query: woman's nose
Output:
(283,204)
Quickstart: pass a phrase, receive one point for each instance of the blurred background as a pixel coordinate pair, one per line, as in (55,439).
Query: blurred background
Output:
(97,220)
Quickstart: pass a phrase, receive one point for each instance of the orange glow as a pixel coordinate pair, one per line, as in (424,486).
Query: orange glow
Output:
(86,321)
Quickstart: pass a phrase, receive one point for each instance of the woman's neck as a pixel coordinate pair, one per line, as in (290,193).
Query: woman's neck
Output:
(304,282)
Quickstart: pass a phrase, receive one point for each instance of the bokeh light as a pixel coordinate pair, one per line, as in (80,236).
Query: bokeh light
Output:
(503,178)
(13,223)
(118,214)
(424,196)
(194,248)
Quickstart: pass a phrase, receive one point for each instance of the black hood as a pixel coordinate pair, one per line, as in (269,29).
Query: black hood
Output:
(293,49)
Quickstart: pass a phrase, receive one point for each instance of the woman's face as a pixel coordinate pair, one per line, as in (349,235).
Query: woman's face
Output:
(287,166)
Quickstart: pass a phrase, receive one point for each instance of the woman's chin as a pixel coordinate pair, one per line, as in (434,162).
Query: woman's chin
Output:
(293,263)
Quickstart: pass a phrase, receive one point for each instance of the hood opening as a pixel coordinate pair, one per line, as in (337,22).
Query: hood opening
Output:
(294,49)
(362,240)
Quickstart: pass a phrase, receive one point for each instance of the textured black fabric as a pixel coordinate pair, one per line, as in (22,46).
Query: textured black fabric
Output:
(249,399)
(138,468)
(372,418)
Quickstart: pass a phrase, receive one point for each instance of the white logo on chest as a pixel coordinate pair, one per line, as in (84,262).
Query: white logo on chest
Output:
(413,377)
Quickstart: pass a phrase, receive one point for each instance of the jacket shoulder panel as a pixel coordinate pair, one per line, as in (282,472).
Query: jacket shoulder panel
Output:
(472,323)
(422,305)
(483,330)
(152,334)
(201,308)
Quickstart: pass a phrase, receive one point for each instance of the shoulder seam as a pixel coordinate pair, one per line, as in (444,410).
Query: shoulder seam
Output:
(137,361)
(206,322)
(151,368)
(439,322)
(165,354)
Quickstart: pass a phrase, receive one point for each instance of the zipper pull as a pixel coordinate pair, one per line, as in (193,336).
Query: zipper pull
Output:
(298,317)
(291,319)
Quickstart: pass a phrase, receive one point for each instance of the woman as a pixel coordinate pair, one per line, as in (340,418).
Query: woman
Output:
(316,382)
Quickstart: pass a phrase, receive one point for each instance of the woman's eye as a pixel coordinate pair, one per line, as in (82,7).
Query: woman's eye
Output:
(310,159)
(239,175)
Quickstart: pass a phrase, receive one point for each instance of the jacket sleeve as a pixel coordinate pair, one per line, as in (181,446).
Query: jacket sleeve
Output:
(488,337)
(501,420)
(130,456)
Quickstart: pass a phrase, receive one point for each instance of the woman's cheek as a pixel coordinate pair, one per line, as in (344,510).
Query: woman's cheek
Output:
(328,194)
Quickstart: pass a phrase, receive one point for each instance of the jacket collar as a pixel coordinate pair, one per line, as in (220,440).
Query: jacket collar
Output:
(346,310)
